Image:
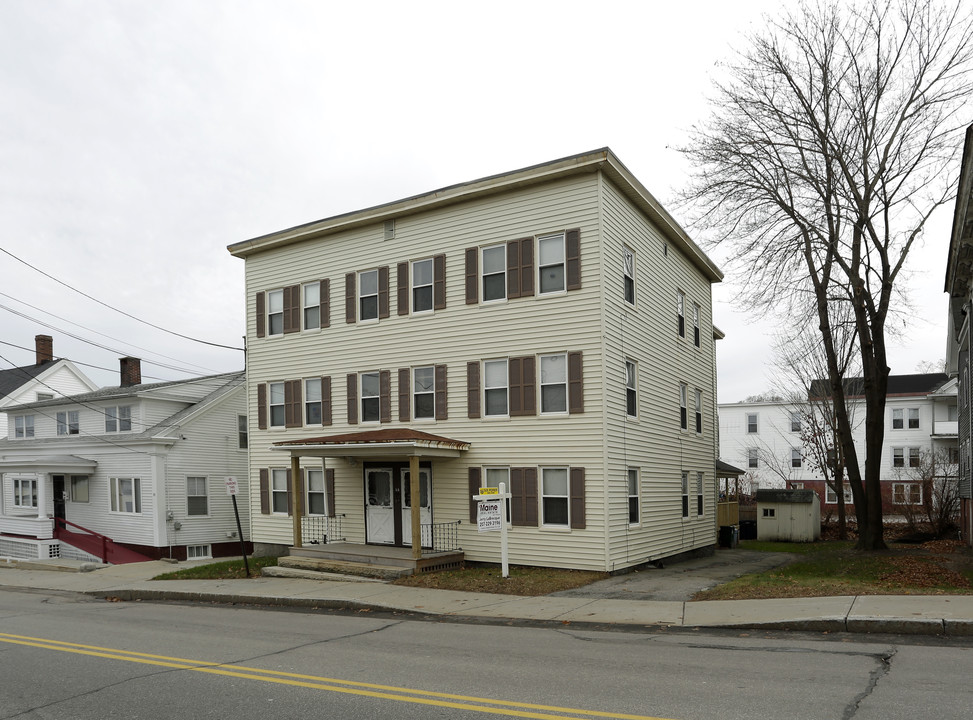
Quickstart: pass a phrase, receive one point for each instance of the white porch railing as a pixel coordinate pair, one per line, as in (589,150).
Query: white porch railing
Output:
(29,526)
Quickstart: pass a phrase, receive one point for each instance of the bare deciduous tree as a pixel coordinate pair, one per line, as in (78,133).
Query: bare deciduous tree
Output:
(832,140)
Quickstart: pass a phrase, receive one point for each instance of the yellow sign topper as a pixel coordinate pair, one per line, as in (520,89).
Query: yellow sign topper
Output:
(489,491)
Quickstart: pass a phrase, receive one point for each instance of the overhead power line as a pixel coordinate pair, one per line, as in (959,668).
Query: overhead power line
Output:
(121,312)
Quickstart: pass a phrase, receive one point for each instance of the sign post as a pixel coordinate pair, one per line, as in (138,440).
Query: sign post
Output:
(491,516)
(231,490)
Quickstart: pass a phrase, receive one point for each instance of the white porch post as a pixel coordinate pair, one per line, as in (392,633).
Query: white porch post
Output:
(42,480)
(297,501)
(414,494)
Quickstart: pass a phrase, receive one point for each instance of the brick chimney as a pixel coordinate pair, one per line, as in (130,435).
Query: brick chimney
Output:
(44,346)
(131,371)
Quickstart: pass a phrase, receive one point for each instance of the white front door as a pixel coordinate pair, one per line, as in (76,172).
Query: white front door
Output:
(379,510)
(425,507)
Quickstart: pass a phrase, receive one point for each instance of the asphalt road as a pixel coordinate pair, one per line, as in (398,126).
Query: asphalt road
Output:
(69,656)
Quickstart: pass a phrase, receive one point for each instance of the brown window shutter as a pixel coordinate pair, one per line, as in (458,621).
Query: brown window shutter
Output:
(529,386)
(523,387)
(264,491)
(473,389)
(329,489)
(350,299)
(326,400)
(383,291)
(472,276)
(405,407)
(515,391)
(325,303)
(262,406)
(526,267)
(402,288)
(352,399)
(517,497)
(292,309)
(290,495)
(439,282)
(513,269)
(575,383)
(442,412)
(572,252)
(577,497)
(385,396)
(300,492)
(261,312)
(530,497)
(293,402)
(474,489)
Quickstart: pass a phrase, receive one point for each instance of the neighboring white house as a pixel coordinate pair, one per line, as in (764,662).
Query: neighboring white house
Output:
(549,328)
(47,378)
(138,468)
(768,438)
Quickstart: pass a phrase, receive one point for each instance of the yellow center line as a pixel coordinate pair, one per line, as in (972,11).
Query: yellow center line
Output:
(352,687)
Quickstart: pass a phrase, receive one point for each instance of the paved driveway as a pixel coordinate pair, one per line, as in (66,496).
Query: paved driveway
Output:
(679,581)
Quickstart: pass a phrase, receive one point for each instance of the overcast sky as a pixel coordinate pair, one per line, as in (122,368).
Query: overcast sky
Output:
(138,139)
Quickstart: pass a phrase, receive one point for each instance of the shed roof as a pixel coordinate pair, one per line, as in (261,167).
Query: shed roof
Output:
(774,495)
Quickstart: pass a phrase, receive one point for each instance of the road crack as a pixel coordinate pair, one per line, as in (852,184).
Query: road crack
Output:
(883,666)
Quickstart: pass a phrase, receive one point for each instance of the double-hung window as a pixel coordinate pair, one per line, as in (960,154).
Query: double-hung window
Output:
(315,492)
(422,285)
(242,431)
(633,496)
(275,312)
(67,423)
(550,263)
(197,500)
(371,403)
(831,497)
(751,423)
(795,421)
(681,313)
(424,393)
(493,260)
(495,388)
(312,306)
(796,460)
(898,422)
(25,492)
(631,390)
(906,494)
(683,406)
(899,456)
(696,338)
(278,414)
(278,491)
(628,269)
(752,457)
(126,495)
(913,418)
(685,493)
(699,411)
(368,295)
(554,383)
(699,494)
(79,488)
(24,426)
(118,419)
(312,401)
(554,496)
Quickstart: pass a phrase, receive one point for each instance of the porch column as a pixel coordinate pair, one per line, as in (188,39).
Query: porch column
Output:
(414,495)
(42,480)
(296,499)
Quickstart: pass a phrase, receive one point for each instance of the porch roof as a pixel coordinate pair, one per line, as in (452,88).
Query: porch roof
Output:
(402,442)
(65,464)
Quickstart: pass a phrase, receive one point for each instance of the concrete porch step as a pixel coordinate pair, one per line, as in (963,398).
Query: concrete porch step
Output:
(343,567)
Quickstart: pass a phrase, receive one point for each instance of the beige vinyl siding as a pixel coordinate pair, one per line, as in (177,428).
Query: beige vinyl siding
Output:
(567,322)
(654,443)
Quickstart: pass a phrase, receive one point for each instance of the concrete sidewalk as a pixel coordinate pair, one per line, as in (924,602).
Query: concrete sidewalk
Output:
(912,614)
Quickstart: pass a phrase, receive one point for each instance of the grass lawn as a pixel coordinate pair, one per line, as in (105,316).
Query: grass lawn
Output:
(487,578)
(836,568)
(224,570)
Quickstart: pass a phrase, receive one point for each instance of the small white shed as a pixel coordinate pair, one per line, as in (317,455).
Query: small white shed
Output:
(788,515)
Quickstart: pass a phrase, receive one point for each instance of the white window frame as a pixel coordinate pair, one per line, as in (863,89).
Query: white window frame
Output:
(700,506)
(769,512)
(24,426)
(915,457)
(756,423)
(500,250)
(117,495)
(548,383)
(375,399)
(25,488)
(697,335)
(77,484)
(199,552)
(68,422)
(316,488)
(275,312)
(698,413)
(631,388)
(681,313)
(831,497)
(899,490)
(118,419)
(797,460)
(197,487)
(428,392)
(565,498)
(683,406)
(370,296)
(275,402)
(913,418)
(796,421)
(313,397)
(496,388)
(422,286)
(898,457)
(628,276)
(278,490)
(634,484)
(753,458)
(243,432)
(685,494)
(557,240)
(311,308)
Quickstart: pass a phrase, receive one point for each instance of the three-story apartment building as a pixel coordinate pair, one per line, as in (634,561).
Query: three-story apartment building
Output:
(549,328)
